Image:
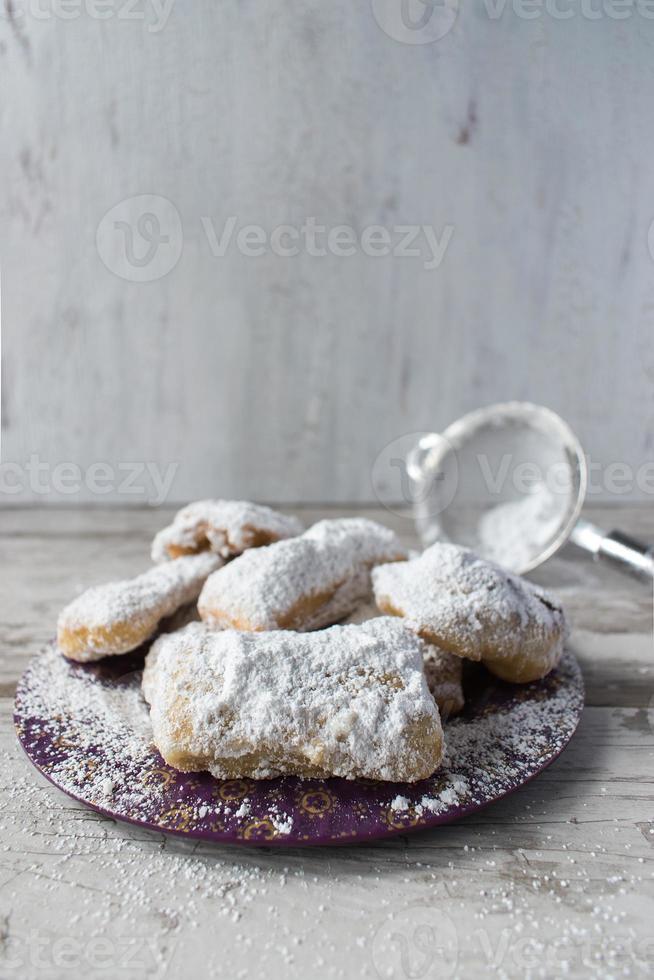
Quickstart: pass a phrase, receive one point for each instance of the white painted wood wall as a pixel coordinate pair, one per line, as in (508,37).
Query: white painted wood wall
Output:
(283,377)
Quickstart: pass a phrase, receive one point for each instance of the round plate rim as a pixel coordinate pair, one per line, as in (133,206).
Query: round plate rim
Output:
(376,834)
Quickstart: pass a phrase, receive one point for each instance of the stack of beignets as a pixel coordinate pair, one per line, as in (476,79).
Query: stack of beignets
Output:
(269,684)
(119,616)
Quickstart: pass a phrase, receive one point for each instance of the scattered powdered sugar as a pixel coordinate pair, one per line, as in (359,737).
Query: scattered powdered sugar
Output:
(228,526)
(502,746)
(99,735)
(453,795)
(490,752)
(345,701)
(265,588)
(283,824)
(118,616)
(516,532)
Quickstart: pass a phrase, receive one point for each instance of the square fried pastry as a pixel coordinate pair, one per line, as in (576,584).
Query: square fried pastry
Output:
(348,701)
(475,609)
(226,527)
(304,583)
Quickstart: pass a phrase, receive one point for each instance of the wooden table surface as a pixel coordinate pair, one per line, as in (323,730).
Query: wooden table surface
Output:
(556,879)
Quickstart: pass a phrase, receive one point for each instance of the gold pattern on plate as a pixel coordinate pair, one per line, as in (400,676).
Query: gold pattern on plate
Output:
(157,777)
(399,819)
(232,790)
(317,801)
(261,828)
(176,818)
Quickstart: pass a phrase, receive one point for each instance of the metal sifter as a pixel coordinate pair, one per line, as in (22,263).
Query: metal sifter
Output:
(509,481)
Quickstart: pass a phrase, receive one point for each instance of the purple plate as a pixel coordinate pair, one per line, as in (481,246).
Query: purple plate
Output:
(86,728)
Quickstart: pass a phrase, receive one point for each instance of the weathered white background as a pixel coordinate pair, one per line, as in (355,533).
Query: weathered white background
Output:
(282,378)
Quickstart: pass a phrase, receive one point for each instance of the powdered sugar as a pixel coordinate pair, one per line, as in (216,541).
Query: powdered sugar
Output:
(304,583)
(457,789)
(104,740)
(118,616)
(473,608)
(283,823)
(349,701)
(502,744)
(497,748)
(227,527)
(443,670)
(515,533)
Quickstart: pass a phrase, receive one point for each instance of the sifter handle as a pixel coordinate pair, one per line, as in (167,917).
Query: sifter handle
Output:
(620,550)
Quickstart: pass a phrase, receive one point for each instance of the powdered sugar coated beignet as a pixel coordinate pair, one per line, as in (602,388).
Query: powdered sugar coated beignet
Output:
(443,670)
(226,527)
(347,701)
(118,616)
(301,584)
(475,609)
